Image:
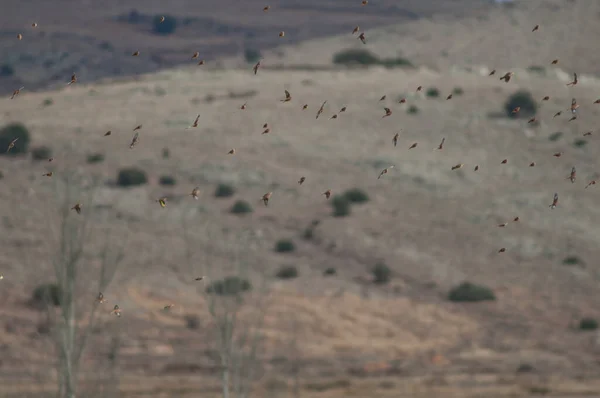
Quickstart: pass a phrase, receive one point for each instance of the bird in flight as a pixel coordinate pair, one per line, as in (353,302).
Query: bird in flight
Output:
(388,112)
(327,193)
(572,175)
(17,92)
(134,141)
(77,208)
(321,109)
(574,82)
(195,124)
(441,146)
(266,197)
(362,38)
(288,97)
(554,201)
(195,193)
(384,171)
(507,76)
(12,144)
(255,68)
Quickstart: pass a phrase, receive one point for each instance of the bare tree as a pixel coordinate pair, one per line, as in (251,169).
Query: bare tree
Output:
(81,271)
(237,309)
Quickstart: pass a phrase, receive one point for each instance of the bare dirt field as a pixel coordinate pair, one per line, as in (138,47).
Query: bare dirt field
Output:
(434,227)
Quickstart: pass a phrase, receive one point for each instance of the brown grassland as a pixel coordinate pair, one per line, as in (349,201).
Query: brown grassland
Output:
(433,226)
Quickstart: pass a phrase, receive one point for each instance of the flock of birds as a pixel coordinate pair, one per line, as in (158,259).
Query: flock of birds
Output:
(288,97)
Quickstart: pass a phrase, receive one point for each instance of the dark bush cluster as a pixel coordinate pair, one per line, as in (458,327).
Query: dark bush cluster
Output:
(241,207)
(470,292)
(361,57)
(284,246)
(224,191)
(381,273)
(287,272)
(588,324)
(522,99)
(132,176)
(229,286)
(47,294)
(94,158)
(167,180)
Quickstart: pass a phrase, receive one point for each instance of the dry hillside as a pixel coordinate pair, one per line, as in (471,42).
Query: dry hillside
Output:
(338,335)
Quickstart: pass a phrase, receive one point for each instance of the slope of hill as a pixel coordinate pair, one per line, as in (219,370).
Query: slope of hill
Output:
(434,227)
(97,41)
(501,39)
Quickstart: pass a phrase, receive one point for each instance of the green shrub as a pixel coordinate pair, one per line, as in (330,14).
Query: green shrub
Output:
(537,69)
(47,294)
(579,143)
(382,273)
(458,91)
(469,292)
(341,206)
(224,191)
(287,272)
(432,92)
(41,153)
(166,27)
(131,176)
(396,62)
(241,207)
(192,321)
(355,57)
(252,55)
(356,195)
(522,99)
(588,324)
(6,70)
(166,153)
(8,133)
(329,271)
(167,180)
(308,233)
(229,286)
(555,136)
(413,110)
(572,260)
(284,246)
(47,102)
(94,158)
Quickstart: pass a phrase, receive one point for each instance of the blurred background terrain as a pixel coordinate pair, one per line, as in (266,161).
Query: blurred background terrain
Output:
(393,287)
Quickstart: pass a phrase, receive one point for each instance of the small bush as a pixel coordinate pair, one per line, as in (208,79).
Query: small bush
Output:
(522,99)
(555,136)
(167,180)
(537,69)
(588,324)
(341,206)
(382,273)
(458,91)
(252,56)
(131,176)
(525,368)
(241,207)
(308,233)
(329,271)
(6,70)
(572,260)
(224,191)
(469,292)
(192,322)
(8,133)
(355,57)
(579,143)
(41,153)
(168,26)
(412,110)
(229,286)
(356,195)
(47,294)
(47,102)
(396,62)
(166,153)
(287,272)
(94,158)
(432,92)
(284,246)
